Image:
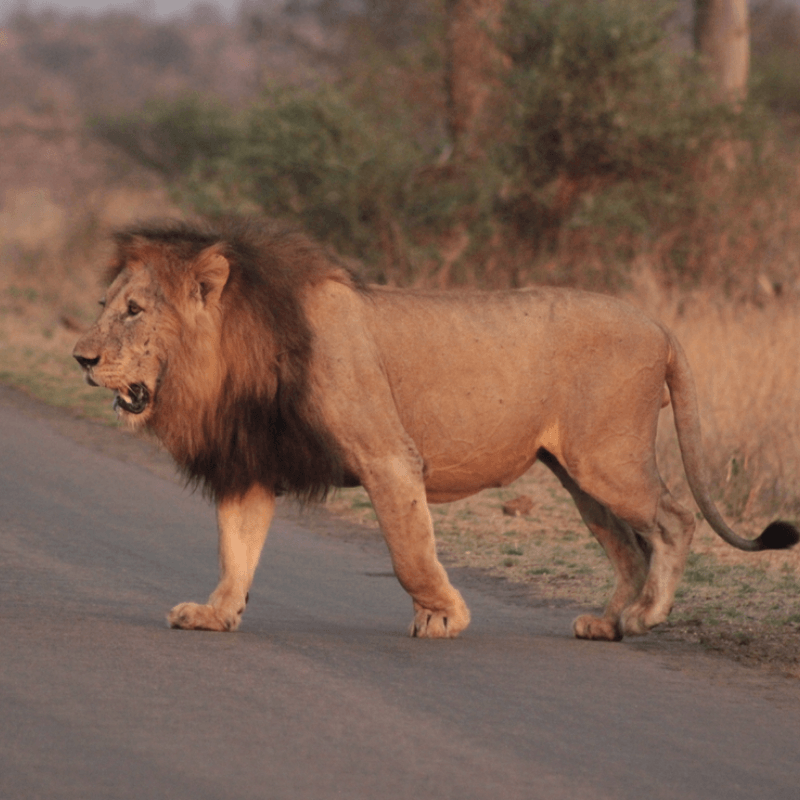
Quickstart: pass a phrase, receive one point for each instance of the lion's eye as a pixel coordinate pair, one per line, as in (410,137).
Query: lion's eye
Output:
(102,303)
(134,308)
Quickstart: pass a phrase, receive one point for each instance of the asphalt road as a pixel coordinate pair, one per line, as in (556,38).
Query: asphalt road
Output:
(321,694)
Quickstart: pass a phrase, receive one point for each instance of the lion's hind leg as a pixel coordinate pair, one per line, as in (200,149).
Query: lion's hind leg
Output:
(670,538)
(630,562)
(635,495)
(628,554)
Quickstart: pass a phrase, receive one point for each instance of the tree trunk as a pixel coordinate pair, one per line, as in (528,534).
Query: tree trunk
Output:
(722,33)
(471,69)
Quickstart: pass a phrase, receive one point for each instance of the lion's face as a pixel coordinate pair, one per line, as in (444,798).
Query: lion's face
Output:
(125,350)
(159,311)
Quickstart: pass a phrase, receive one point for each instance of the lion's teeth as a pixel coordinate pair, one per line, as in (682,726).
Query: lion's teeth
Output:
(119,398)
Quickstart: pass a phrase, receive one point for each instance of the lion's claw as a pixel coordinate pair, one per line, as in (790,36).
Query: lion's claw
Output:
(430,625)
(442,624)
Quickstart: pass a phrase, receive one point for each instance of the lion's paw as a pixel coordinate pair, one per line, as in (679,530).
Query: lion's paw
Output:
(447,624)
(194,616)
(588,627)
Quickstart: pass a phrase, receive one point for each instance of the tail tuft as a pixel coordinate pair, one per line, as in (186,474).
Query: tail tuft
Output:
(778,536)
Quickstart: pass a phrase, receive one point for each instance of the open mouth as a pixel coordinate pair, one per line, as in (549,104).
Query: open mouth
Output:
(134,400)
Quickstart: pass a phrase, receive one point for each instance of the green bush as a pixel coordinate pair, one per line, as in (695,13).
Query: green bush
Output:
(346,177)
(173,137)
(598,96)
(309,156)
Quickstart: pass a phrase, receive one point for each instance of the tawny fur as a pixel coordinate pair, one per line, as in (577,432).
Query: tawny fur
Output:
(266,366)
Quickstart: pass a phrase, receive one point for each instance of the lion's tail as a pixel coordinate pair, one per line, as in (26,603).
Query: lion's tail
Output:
(777,535)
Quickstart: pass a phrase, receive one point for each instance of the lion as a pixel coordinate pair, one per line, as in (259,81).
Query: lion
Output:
(266,366)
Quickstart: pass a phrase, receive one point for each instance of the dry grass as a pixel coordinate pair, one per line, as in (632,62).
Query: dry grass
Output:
(746,363)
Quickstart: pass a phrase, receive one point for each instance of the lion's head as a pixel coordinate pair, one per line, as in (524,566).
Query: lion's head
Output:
(151,310)
(203,340)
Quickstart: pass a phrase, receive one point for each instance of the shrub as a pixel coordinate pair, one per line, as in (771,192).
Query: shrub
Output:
(305,155)
(173,137)
(362,185)
(600,103)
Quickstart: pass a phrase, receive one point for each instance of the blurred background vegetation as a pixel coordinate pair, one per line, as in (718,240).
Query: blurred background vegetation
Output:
(602,142)
(574,142)
(595,138)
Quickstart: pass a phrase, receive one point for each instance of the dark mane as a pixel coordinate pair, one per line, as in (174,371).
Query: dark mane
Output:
(262,426)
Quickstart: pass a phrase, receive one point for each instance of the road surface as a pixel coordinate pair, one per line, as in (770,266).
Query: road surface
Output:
(320,694)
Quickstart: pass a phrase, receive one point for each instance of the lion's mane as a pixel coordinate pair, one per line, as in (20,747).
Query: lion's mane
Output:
(258,426)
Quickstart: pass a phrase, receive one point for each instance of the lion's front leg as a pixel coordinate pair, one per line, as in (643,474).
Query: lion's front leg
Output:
(243,525)
(398,496)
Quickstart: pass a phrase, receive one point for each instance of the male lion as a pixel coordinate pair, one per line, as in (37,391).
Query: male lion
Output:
(264,366)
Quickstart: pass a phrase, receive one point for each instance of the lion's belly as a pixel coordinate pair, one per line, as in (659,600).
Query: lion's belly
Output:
(472,448)
(453,482)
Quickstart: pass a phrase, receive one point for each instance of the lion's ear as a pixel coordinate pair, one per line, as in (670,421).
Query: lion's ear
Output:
(210,271)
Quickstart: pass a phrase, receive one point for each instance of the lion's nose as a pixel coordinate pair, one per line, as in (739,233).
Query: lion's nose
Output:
(86,363)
